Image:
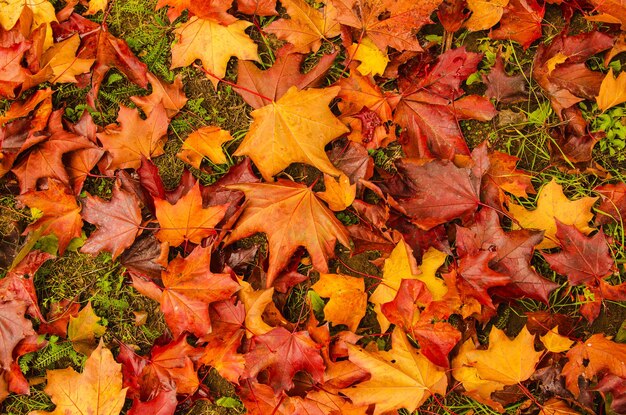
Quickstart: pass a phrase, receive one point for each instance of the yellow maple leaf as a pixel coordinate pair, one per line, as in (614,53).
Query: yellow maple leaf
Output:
(552,204)
(306,26)
(96,6)
(213,44)
(485,13)
(97,390)
(339,194)
(612,91)
(348,299)
(556,343)
(293,129)
(255,302)
(400,378)
(373,60)
(506,361)
(61,58)
(205,142)
(83,329)
(400,266)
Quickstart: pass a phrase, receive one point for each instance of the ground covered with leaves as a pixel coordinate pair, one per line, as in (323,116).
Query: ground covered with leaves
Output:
(348,207)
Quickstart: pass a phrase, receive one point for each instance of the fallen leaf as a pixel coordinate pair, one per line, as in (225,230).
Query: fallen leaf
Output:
(213,44)
(274,208)
(348,299)
(583,260)
(171,96)
(117,222)
(205,142)
(61,58)
(282,354)
(83,330)
(97,390)
(187,220)
(339,194)
(190,287)
(134,138)
(306,26)
(485,13)
(293,129)
(373,60)
(612,91)
(553,205)
(521,22)
(400,378)
(61,214)
(592,357)
(556,343)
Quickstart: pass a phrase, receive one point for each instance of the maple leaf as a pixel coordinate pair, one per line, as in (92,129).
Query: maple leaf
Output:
(613,203)
(503,87)
(429,111)
(592,357)
(172,97)
(291,216)
(553,205)
(611,91)
(97,390)
(434,192)
(402,265)
(521,22)
(556,343)
(348,299)
(513,253)
(61,214)
(400,378)
(583,260)
(293,129)
(169,366)
(564,58)
(358,93)
(282,354)
(307,26)
(45,159)
(187,220)
(255,303)
(134,138)
(117,222)
(213,44)
(373,60)
(190,287)
(339,194)
(83,330)
(477,277)
(386,22)
(220,352)
(274,82)
(205,142)
(258,7)
(485,13)
(61,58)
(611,11)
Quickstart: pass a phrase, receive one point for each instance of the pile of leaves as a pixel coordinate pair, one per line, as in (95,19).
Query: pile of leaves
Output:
(354,185)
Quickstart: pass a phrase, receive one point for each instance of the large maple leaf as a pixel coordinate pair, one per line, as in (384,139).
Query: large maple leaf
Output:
(213,44)
(307,26)
(61,214)
(283,354)
(187,220)
(387,22)
(583,260)
(400,378)
(190,287)
(134,138)
(291,216)
(293,129)
(97,390)
(117,220)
